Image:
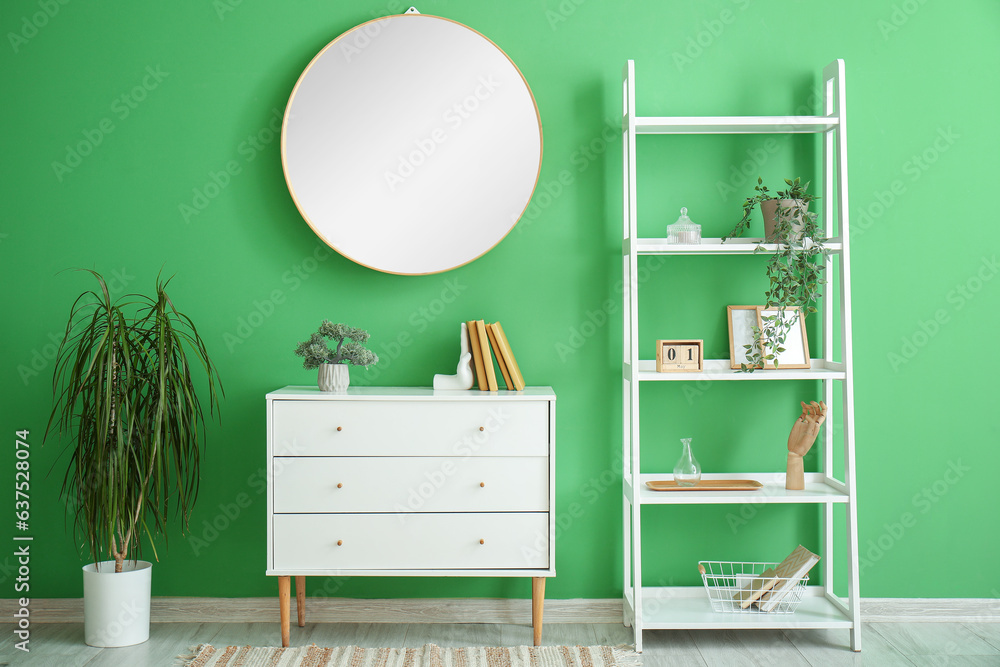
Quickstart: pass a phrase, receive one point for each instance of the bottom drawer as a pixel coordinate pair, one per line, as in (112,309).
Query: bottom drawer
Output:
(411,541)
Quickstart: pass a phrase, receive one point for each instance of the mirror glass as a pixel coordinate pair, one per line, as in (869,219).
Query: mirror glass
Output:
(411,144)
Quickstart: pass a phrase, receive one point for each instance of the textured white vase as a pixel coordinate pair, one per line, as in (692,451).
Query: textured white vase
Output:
(116,604)
(333,377)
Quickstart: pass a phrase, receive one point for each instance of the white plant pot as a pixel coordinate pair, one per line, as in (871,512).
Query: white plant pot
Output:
(116,605)
(333,377)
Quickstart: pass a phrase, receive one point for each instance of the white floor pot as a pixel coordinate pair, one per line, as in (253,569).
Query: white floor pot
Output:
(116,604)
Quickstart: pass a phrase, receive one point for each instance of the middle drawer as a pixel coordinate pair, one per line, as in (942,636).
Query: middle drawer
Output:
(410,484)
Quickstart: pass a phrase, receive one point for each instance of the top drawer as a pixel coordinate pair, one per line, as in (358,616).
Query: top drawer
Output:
(410,428)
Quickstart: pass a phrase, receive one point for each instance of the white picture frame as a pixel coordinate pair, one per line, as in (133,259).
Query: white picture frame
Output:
(796,347)
(742,320)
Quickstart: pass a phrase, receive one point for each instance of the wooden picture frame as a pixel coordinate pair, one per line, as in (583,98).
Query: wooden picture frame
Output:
(796,354)
(680,356)
(741,321)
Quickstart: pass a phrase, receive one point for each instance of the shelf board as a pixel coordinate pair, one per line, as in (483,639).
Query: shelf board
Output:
(774,491)
(688,608)
(734,124)
(718,369)
(710,246)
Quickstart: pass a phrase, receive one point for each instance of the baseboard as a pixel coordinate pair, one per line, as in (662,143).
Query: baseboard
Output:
(447,610)
(340,610)
(930,610)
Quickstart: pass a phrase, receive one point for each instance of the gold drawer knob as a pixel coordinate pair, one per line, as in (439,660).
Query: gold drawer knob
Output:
(340,428)
(340,485)
(482,428)
(482,484)
(482,541)
(340,543)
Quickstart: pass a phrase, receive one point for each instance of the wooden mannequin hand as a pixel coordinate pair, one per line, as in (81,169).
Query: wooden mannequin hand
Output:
(800,441)
(806,428)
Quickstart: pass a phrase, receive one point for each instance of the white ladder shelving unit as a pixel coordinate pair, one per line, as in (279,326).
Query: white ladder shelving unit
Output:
(687,607)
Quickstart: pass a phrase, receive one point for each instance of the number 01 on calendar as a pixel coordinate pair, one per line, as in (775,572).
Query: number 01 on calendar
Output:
(679,355)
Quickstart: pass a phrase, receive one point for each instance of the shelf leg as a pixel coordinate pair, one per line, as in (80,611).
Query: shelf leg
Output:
(300,600)
(537,603)
(284,603)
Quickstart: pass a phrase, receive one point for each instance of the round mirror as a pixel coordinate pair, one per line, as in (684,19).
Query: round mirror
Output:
(411,144)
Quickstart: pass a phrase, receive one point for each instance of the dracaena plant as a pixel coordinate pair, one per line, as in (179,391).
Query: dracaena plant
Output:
(124,395)
(349,349)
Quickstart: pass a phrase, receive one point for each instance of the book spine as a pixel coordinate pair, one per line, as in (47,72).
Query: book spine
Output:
(499,354)
(477,354)
(484,344)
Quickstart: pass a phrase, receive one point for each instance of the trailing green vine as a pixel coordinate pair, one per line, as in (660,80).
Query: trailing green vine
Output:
(795,271)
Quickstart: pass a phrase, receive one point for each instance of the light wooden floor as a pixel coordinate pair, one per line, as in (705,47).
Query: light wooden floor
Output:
(884,644)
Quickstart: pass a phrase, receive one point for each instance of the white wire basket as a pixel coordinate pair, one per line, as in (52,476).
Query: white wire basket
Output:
(736,587)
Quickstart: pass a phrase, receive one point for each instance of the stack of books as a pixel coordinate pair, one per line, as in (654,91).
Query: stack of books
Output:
(773,584)
(482,337)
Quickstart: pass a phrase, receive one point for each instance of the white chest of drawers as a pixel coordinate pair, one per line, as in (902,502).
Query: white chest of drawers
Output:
(410,481)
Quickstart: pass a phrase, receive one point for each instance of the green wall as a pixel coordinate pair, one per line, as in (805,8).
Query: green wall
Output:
(214,78)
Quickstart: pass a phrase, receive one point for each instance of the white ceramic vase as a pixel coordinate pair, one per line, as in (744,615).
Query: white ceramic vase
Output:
(116,604)
(333,377)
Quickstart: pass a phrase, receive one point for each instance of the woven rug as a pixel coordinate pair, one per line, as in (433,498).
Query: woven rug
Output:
(429,655)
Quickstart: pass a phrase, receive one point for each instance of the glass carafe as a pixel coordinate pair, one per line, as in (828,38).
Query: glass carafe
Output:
(687,472)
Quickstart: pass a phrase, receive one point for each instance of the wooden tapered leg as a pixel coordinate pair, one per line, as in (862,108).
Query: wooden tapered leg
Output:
(300,600)
(285,603)
(537,603)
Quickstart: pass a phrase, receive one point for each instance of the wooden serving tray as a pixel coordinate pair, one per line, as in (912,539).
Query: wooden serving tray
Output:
(708,485)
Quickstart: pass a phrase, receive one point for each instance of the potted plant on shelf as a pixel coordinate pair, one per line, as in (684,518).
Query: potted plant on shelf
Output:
(333,375)
(791,205)
(124,389)
(794,271)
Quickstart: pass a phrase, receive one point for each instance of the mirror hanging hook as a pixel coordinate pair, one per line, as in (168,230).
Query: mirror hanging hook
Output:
(411,10)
